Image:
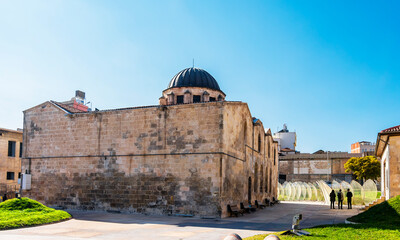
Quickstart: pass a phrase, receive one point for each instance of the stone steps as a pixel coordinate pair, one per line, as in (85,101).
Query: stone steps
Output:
(376,202)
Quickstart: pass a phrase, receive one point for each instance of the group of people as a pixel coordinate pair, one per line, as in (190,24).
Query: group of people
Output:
(340,197)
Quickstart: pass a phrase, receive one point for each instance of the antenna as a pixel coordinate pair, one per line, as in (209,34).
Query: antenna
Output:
(193,62)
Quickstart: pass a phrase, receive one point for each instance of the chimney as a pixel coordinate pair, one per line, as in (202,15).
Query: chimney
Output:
(80,96)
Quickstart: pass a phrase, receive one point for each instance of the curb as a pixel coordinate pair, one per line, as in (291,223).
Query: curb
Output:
(349,222)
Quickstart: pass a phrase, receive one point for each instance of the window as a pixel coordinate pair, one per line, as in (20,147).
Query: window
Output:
(266,179)
(179,99)
(259,143)
(273,149)
(196,98)
(212,99)
(19,175)
(10,175)
(20,150)
(270,180)
(269,149)
(261,179)
(11,148)
(282,178)
(255,177)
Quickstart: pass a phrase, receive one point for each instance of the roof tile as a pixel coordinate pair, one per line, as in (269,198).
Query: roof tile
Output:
(392,129)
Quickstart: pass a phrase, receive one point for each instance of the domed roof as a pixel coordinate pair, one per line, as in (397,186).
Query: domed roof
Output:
(194,77)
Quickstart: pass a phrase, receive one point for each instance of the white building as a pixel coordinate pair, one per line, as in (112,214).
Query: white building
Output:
(286,140)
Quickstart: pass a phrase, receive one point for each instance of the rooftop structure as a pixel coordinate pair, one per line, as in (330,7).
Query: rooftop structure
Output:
(363,147)
(286,141)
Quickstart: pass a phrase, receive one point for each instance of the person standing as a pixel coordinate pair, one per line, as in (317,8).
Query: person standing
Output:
(332,197)
(340,199)
(349,195)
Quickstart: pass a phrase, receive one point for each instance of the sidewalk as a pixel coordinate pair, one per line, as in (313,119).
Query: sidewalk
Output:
(102,225)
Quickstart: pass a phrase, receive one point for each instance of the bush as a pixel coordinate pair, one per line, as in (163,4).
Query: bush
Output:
(23,212)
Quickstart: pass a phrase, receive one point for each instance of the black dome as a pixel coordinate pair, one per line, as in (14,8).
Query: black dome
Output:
(194,77)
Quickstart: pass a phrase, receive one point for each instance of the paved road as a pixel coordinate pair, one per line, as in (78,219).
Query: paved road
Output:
(101,225)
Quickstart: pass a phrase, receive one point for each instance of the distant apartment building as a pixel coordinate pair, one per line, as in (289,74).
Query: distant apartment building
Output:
(286,141)
(10,160)
(320,165)
(363,147)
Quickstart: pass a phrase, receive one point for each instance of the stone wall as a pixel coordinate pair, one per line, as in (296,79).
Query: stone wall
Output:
(312,167)
(254,175)
(394,168)
(9,164)
(180,159)
(157,160)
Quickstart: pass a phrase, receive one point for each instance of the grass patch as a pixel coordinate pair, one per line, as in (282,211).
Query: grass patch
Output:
(340,232)
(15,213)
(385,213)
(381,221)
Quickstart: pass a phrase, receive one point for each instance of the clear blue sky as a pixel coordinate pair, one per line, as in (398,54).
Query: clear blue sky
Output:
(329,69)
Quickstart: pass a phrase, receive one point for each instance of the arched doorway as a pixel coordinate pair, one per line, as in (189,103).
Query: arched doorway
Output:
(249,191)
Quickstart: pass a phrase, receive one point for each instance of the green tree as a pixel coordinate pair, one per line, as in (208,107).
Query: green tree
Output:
(364,168)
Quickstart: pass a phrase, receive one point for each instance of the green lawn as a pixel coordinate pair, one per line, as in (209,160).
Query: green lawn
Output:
(342,231)
(23,212)
(379,222)
(387,213)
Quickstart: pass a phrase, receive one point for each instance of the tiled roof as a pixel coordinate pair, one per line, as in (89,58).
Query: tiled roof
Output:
(67,108)
(392,129)
(9,130)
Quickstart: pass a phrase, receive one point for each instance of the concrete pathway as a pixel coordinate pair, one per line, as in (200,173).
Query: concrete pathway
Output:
(101,225)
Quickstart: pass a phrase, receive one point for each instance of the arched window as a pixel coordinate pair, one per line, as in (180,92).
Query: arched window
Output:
(249,191)
(244,136)
(273,149)
(179,99)
(259,143)
(261,179)
(270,179)
(255,177)
(266,179)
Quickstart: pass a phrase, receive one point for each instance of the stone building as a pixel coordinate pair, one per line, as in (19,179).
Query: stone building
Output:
(388,151)
(321,165)
(192,154)
(10,162)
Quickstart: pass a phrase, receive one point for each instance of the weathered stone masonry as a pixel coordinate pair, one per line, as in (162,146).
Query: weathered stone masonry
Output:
(188,159)
(193,154)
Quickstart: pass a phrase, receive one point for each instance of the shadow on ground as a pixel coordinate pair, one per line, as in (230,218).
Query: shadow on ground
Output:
(275,218)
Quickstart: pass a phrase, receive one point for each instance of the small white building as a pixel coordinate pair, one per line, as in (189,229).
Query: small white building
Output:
(286,140)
